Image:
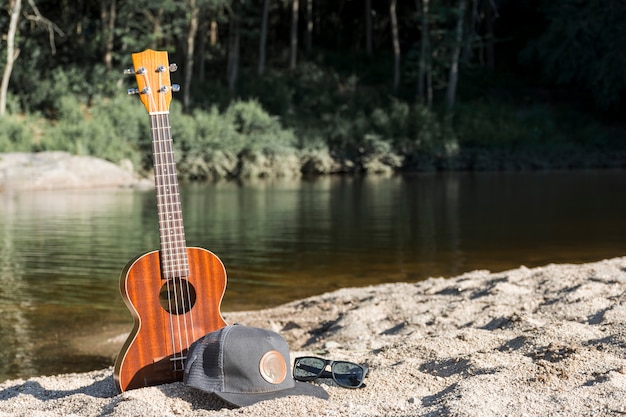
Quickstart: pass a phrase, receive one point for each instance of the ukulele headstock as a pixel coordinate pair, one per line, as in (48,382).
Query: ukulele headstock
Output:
(152,72)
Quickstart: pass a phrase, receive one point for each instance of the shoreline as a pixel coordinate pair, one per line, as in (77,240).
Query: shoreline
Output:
(549,340)
(57,170)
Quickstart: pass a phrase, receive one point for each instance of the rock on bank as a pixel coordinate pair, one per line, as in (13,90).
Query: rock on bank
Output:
(58,170)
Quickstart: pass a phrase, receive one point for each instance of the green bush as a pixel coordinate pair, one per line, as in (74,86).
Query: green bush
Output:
(398,127)
(501,126)
(243,125)
(259,129)
(70,131)
(205,136)
(17,134)
(113,129)
(121,130)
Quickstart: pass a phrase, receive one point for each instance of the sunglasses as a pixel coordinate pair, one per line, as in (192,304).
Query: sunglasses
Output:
(345,374)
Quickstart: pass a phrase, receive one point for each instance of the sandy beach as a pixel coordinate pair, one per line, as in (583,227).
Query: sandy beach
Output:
(547,341)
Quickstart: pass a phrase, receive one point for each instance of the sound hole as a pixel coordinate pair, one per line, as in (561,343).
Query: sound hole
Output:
(177,296)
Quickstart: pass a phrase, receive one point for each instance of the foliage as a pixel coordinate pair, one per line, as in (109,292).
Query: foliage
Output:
(111,129)
(243,125)
(338,99)
(489,126)
(583,45)
(396,127)
(16,134)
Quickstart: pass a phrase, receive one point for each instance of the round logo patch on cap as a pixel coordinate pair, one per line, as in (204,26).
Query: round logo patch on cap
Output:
(273,367)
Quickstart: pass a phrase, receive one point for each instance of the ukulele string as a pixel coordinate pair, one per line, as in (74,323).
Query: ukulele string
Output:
(167,244)
(173,255)
(161,174)
(175,243)
(179,239)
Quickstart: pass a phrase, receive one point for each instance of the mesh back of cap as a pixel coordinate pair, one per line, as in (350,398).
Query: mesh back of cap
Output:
(204,368)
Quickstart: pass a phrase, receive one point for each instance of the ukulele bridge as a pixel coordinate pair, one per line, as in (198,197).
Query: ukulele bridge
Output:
(171,359)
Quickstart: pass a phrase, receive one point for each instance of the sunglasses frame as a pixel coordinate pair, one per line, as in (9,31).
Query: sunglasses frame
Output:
(325,374)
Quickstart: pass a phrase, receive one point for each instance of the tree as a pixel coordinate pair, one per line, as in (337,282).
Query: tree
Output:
(583,45)
(491,13)
(294,34)
(368,27)
(194,14)
(453,77)
(39,19)
(309,25)
(471,33)
(424,79)
(233,47)
(107,17)
(396,45)
(203,29)
(263,41)
(15,8)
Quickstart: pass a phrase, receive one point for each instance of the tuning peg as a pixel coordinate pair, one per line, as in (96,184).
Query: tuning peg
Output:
(173,67)
(175,88)
(129,71)
(146,90)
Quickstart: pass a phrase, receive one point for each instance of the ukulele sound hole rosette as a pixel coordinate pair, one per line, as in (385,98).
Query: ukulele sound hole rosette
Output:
(177,296)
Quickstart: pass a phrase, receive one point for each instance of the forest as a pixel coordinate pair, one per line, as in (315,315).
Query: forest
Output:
(339,86)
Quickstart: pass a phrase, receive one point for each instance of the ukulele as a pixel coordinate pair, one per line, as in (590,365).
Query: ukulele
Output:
(173,294)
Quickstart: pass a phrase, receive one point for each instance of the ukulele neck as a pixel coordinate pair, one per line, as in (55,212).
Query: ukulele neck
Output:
(174,263)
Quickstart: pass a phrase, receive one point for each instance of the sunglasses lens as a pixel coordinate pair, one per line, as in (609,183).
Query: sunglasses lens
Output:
(347,374)
(308,368)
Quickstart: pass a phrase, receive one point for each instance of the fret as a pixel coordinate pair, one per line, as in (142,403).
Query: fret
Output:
(175,216)
(173,231)
(166,189)
(172,263)
(168,198)
(164,164)
(159,153)
(176,206)
(174,259)
(175,250)
(171,223)
(175,272)
(168,176)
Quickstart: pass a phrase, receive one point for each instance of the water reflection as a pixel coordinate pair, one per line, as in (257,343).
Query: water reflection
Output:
(15,329)
(61,252)
(55,273)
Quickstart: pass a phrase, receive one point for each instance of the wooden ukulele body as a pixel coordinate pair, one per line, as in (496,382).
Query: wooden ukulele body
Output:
(155,350)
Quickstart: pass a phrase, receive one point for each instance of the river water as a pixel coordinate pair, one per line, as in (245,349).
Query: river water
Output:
(62,251)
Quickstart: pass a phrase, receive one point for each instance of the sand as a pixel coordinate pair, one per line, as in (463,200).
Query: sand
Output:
(547,341)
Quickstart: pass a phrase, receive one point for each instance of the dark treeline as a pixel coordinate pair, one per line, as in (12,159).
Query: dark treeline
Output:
(405,83)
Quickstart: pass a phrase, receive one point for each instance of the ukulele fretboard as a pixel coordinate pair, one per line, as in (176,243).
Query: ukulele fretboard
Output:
(174,261)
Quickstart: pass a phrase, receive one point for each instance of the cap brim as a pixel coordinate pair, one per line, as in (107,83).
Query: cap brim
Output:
(301,388)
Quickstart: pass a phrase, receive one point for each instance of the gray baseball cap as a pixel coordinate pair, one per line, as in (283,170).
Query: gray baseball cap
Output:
(244,365)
